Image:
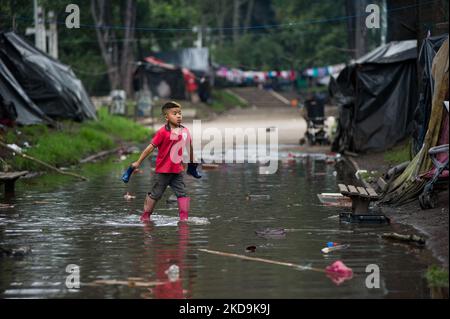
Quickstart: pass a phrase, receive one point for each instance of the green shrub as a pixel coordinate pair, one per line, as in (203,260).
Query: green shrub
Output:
(437,277)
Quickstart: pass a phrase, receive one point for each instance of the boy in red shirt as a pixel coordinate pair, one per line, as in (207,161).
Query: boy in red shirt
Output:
(170,140)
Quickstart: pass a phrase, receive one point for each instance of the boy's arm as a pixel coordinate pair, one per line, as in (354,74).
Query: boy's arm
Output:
(191,153)
(148,150)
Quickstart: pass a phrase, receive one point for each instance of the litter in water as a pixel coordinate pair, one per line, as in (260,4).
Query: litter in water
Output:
(338,272)
(249,197)
(327,250)
(335,200)
(173,273)
(209,166)
(128,196)
(250,249)
(275,233)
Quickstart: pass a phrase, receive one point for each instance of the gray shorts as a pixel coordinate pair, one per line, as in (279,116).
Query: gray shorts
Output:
(160,181)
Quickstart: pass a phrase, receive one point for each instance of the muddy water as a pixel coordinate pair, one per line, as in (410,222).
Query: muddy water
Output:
(91,225)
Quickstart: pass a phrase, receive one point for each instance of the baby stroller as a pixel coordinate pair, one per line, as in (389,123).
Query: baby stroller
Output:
(428,198)
(315,119)
(438,176)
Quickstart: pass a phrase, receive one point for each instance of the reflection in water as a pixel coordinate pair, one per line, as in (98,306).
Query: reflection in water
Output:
(90,224)
(170,264)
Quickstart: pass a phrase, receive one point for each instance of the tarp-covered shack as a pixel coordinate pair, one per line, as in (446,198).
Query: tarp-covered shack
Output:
(377,95)
(49,84)
(162,79)
(430,46)
(194,59)
(15,105)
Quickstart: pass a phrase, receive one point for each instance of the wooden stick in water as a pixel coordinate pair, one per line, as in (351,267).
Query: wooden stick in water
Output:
(275,262)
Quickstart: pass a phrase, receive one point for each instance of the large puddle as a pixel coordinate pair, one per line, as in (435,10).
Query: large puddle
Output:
(91,225)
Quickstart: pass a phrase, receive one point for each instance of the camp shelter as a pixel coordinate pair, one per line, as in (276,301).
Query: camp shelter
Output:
(376,95)
(51,85)
(15,104)
(411,182)
(195,59)
(162,79)
(430,46)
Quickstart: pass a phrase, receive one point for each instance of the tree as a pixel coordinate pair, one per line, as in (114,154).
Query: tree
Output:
(118,55)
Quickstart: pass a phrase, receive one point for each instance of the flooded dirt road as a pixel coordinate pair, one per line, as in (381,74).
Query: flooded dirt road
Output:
(91,225)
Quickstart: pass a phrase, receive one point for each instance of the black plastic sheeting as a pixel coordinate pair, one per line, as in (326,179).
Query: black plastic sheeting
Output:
(16,102)
(377,96)
(194,59)
(430,46)
(162,82)
(51,85)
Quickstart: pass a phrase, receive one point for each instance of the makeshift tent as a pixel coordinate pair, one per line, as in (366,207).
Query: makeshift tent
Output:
(14,100)
(428,50)
(194,59)
(51,85)
(164,80)
(410,183)
(377,95)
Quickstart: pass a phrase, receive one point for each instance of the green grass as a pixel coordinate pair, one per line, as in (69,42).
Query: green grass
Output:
(399,154)
(73,141)
(437,277)
(119,127)
(223,100)
(370,177)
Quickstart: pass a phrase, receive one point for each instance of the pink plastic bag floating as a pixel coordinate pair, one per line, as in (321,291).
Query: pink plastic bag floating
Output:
(338,272)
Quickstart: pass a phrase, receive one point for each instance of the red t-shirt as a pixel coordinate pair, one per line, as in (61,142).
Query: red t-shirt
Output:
(170,145)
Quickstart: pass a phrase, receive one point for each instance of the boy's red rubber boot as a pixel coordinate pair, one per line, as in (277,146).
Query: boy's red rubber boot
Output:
(183,207)
(145,217)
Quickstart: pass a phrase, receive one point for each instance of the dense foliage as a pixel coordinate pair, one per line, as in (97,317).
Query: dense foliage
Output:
(250,34)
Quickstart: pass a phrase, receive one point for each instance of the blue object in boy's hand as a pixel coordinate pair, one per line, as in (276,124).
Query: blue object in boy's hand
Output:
(192,170)
(127,174)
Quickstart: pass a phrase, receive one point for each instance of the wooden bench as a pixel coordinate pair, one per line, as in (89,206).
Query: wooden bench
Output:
(360,196)
(9,179)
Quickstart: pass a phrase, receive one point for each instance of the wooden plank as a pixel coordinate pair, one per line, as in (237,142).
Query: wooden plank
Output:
(362,192)
(98,155)
(372,193)
(343,189)
(381,183)
(353,190)
(12,175)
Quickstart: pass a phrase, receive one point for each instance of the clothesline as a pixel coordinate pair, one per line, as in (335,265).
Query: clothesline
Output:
(236,75)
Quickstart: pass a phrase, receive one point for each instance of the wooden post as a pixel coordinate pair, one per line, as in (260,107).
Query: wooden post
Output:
(9,187)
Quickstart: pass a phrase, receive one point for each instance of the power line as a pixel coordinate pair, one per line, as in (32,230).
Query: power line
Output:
(256,27)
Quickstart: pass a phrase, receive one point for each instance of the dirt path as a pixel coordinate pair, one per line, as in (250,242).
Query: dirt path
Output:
(289,122)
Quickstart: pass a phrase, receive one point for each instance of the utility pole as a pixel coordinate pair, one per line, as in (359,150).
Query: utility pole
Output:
(39,25)
(360,29)
(199,31)
(52,35)
(384,24)
(40,39)
(40,32)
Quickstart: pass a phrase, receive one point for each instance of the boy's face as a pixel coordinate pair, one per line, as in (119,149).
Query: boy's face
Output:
(173,116)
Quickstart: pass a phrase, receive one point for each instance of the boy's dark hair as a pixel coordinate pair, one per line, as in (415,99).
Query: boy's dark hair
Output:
(169,105)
